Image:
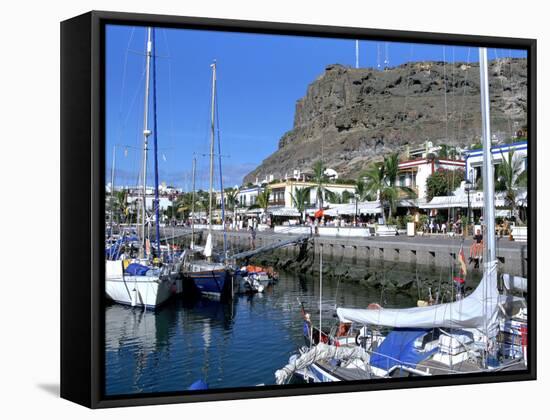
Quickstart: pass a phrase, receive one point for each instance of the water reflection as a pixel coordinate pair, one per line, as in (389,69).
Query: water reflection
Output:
(237,343)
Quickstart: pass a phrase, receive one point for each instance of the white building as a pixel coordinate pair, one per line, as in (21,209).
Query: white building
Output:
(414,173)
(248,196)
(474,158)
(282,192)
(164,202)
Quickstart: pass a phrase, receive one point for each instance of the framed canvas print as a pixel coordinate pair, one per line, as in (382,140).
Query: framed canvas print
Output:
(255,209)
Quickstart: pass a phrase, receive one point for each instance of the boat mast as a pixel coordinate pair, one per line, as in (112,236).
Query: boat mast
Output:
(146,134)
(112,187)
(488,170)
(155,147)
(320,293)
(193,206)
(212,132)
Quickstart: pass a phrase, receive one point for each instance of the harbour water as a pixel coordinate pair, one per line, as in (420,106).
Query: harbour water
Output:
(234,344)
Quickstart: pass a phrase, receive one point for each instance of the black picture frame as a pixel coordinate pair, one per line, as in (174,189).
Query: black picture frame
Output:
(83,205)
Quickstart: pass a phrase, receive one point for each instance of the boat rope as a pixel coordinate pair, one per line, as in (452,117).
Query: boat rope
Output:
(465,85)
(445,95)
(222,193)
(407,91)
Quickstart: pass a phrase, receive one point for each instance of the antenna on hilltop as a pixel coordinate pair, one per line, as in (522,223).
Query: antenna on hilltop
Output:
(378,56)
(356,53)
(386,60)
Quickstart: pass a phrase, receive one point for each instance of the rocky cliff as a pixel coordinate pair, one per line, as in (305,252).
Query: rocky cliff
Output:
(353,116)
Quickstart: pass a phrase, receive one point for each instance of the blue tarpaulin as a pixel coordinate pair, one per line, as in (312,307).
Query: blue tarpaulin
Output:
(113,252)
(398,349)
(198,385)
(135,269)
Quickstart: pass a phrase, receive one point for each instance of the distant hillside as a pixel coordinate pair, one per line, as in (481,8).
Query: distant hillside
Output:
(354,115)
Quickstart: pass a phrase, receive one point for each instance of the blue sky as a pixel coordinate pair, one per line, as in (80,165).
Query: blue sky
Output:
(260,78)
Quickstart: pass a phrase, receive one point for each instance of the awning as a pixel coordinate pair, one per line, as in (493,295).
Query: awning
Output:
(476,201)
(364,207)
(285,212)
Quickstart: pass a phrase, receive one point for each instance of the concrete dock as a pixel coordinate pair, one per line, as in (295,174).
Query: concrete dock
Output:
(435,251)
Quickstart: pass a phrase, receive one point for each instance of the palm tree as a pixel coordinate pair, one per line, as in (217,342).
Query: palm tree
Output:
(334,197)
(381,179)
(511,178)
(300,200)
(347,196)
(320,179)
(183,204)
(231,198)
(263,199)
(120,204)
(360,194)
(375,183)
(391,168)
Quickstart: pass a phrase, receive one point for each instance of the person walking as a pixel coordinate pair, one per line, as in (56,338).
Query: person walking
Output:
(476,250)
(252,237)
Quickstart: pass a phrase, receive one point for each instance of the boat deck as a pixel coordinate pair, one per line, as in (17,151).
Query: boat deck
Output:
(343,373)
(434,367)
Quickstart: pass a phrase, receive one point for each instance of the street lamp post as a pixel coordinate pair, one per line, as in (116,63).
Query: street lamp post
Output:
(468,187)
(356,208)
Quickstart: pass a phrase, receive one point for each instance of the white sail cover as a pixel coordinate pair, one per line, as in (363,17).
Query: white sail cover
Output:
(515,282)
(479,311)
(208,246)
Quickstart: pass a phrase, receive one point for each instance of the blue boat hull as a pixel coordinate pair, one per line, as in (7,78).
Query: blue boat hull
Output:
(210,283)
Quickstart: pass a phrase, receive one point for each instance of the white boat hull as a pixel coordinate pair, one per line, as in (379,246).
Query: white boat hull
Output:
(142,291)
(145,291)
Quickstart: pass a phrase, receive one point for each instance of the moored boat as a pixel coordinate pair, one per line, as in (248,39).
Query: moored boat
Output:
(483,332)
(147,281)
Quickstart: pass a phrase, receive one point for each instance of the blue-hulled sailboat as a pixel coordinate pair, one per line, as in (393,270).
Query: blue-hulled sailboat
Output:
(212,279)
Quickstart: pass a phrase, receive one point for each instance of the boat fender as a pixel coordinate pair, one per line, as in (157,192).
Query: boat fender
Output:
(134,297)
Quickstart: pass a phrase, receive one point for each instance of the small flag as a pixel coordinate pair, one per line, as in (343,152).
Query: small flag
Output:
(462,261)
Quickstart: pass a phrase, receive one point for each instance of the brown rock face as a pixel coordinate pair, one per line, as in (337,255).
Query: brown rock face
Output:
(353,116)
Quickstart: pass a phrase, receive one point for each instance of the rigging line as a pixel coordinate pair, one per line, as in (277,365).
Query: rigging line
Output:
(170,95)
(500,77)
(445,95)
(132,103)
(461,114)
(123,84)
(407,88)
(453,94)
(221,175)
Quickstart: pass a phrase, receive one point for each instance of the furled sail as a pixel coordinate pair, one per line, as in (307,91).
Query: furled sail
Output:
(479,310)
(319,352)
(208,246)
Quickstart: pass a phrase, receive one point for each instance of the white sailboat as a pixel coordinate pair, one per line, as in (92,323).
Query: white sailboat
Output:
(479,333)
(139,282)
